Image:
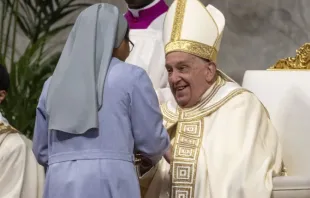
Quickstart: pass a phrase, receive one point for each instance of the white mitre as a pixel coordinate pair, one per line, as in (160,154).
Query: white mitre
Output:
(195,29)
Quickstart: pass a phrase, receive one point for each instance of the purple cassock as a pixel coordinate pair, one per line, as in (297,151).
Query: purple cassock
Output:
(146,15)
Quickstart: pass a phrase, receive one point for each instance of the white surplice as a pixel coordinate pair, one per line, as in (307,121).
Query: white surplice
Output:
(149,53)
(224,147)
(20,174)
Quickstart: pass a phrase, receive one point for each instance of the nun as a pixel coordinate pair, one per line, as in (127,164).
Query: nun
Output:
(95,112)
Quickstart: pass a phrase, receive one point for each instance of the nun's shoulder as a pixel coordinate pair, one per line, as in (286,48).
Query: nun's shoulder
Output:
(134,71)
(46,84)
(126,71)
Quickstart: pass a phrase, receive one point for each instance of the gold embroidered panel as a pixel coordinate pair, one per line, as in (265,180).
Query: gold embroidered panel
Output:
(7,129)
(170,118)
(185,156)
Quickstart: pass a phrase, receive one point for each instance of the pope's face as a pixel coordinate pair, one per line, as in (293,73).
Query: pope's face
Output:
(189,77)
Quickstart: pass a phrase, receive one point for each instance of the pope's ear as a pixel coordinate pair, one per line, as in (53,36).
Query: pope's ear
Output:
(211,71)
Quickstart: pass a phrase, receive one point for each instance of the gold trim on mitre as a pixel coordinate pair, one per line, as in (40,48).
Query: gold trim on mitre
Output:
(178,20)
(300,62)
(192,47)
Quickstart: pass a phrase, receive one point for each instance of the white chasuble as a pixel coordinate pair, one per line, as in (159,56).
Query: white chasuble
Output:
(225,147)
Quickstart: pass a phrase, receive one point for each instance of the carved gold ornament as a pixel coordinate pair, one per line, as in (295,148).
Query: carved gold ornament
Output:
(300,62)
(283,170)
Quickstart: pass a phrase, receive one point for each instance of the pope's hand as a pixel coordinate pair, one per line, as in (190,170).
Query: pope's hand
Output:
(168,155)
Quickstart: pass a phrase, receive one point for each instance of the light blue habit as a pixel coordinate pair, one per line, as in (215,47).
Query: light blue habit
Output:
(99,163)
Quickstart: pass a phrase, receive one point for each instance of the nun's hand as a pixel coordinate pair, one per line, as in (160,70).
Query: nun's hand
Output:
(144,163)
(168,155)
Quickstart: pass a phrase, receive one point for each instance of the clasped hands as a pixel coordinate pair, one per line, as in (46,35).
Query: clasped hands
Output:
(145,164)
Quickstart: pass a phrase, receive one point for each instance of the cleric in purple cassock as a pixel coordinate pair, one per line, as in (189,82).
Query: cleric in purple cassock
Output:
(146,21)
(95,112)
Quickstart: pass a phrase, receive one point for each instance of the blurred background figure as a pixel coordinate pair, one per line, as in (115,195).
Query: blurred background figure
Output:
(20,175)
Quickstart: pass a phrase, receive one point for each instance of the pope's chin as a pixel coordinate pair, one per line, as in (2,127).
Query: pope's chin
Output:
(181,99)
